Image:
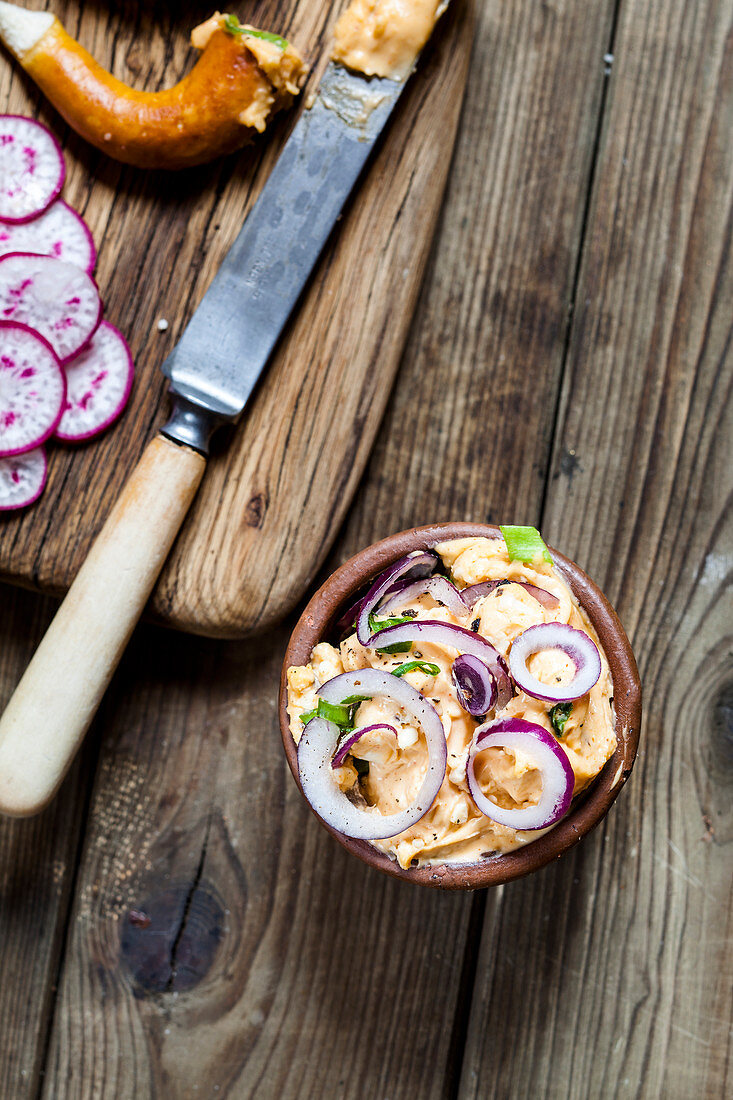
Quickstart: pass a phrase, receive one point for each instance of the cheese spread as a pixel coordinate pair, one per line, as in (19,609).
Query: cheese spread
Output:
(454,830)
(384,37)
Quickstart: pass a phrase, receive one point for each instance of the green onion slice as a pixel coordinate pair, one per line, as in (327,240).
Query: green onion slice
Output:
(232,24)
(375,625)
(559,715)
(332,712)
(409,666)
(525,544)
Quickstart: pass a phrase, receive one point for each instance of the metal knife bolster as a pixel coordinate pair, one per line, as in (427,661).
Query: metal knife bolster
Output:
(229,340)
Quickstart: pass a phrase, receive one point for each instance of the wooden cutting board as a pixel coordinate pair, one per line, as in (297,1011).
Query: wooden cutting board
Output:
(276,491)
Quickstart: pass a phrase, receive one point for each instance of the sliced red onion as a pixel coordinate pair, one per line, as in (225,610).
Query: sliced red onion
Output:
(346,620)
(421,563)
(475,684)
(320,737)
(547,756)
(348,743)
(465,641)
(547,599)
(476,592)
(581,650)
(440,588)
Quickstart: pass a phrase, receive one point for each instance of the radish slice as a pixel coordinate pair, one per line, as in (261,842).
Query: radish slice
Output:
(57,299)
(99,380)
(32,168)
(22,479)
(59,231)
(32,389)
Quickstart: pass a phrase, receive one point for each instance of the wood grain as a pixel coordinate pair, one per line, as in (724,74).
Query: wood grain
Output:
(52,707)
(625,981)
(254,914)
(325,980)
(37,864)
(273,964)
(480,378)
(162,237)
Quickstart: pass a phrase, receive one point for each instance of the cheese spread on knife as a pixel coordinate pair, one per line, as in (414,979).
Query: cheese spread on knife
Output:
(384,37)
(469,706)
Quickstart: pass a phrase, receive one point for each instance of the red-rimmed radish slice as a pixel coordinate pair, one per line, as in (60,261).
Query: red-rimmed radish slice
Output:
(319,742)
(446,634)
(546,755)
(22,479)
(57,299)
(59,232)
(32,169)
(575,644)
(99,380)
(32,389)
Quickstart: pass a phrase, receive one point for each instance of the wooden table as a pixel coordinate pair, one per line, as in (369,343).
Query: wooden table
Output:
(568,366)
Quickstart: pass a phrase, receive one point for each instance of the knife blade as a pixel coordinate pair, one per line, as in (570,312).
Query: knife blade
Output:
(230,339)
(213,372)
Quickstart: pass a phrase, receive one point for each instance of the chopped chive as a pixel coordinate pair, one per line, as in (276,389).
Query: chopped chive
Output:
(559,715)
(337,713)
(525,544)
(375,625)
(409,666)
(232,24)
(334,712)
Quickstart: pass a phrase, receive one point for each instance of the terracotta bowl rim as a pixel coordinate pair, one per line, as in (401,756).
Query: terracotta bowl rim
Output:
(590,808)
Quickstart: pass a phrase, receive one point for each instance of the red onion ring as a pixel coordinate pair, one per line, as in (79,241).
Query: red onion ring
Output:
(548,757)
(440,588)
(465,641)
(547,599)
(476,592)
(475,684)
(581,650)
(348,743)
(423,562)
(346,620)
(320,737)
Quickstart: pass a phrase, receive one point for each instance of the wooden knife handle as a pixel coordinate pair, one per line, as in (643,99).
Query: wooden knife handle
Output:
(55,701)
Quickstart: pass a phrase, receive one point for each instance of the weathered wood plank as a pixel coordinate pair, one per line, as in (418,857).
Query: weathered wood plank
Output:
(246,981)
(328,980)
(622,983)
(470,427)
(37,861)
(163,236)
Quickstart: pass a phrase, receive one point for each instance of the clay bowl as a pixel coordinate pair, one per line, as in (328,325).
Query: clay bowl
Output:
(343,587)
